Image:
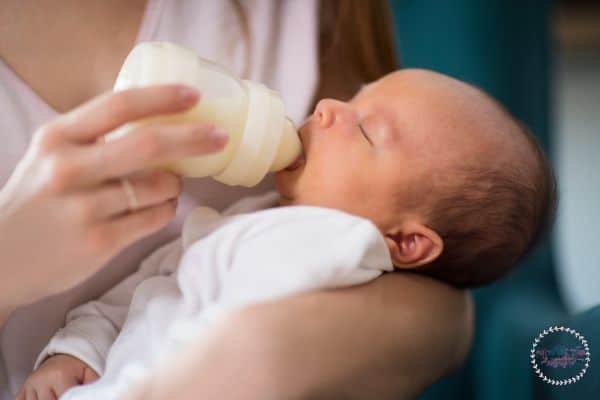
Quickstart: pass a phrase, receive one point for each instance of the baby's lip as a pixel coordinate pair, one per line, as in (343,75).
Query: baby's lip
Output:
(301,159)
(298,162)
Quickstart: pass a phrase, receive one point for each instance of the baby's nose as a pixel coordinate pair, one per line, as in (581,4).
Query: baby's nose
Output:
(328,111)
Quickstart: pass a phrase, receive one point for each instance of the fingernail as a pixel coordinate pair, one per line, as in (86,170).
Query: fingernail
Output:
(219,136)
(188,94)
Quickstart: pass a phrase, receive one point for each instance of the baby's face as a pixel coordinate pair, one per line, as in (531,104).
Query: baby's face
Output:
(380,151)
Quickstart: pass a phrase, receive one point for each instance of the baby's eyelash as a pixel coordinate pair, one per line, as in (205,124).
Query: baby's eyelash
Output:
(362,130)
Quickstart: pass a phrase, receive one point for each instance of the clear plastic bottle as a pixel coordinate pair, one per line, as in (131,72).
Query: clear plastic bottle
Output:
(261,138)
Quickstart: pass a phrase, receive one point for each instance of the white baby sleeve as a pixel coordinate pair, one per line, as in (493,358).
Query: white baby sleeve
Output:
(91,328)
(299,249)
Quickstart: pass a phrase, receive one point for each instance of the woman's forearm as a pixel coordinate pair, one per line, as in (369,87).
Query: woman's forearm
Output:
(388,339)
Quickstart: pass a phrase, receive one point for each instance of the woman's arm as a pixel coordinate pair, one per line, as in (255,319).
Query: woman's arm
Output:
(388,339)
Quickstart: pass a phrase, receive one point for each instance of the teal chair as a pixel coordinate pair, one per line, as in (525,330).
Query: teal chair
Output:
(504,48)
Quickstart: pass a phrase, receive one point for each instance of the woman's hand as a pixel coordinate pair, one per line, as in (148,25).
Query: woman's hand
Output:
(388,339)
(55,376)
(64,212)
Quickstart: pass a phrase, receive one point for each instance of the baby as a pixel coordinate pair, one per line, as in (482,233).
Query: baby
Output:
(417,172)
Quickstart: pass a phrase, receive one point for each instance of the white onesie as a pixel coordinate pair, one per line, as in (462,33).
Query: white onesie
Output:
(221,261)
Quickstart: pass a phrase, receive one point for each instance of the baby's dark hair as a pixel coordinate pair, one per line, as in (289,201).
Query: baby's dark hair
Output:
(492,217)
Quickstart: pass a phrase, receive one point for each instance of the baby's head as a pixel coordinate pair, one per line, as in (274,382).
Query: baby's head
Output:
(457,186)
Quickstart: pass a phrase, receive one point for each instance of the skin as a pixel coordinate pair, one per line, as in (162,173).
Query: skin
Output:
(399,308)
(379,155)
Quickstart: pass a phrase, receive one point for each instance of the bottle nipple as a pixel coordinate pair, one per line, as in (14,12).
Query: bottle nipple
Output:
(289,147)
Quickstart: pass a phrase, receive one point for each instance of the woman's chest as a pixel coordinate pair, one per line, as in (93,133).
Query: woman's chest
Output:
(63,83)
(64,56)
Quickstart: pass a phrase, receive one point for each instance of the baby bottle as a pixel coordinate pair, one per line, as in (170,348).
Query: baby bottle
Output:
(261,138)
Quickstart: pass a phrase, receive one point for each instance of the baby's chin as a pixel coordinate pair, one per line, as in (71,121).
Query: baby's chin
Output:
(285,182)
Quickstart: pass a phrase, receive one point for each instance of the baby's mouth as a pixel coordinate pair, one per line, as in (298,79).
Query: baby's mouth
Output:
(298,162)
(301,159)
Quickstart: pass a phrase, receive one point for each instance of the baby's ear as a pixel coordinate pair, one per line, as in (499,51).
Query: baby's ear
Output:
(413,245)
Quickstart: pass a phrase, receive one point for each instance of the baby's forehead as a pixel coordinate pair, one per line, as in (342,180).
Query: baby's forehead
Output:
(422,94)
(440,94)
(436,102)
(443,113)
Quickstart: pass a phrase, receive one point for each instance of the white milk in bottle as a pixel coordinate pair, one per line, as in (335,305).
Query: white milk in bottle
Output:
(261,138)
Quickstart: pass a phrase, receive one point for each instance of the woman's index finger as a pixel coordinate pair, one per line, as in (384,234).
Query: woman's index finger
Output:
(110,110)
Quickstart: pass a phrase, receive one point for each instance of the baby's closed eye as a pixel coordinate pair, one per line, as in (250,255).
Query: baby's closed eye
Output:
(364,133)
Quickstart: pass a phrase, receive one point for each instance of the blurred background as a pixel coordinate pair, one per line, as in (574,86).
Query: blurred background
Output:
(576,138)
(541,59)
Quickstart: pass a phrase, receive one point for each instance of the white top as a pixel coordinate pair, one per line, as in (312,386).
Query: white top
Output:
(221,262)
(282,55)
